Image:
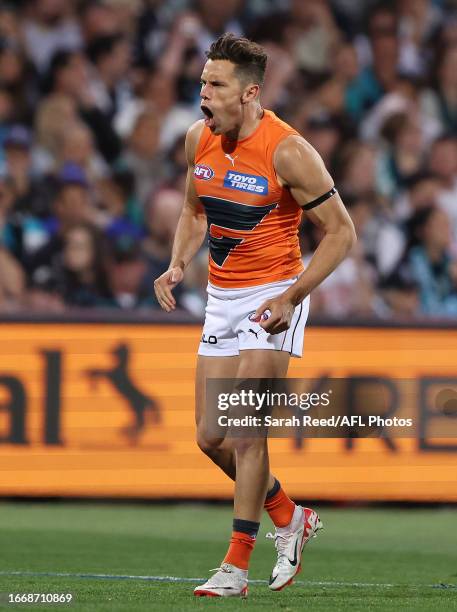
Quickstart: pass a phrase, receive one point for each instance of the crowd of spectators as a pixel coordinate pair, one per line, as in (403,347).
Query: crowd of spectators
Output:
(95,100)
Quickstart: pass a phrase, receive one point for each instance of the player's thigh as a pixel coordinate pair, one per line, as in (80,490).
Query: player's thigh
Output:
(256,363)
(262,363)
(211,367)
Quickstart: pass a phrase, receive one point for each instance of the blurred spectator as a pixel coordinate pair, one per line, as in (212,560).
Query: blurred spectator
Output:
(423,190)
(443,163)
(314,35)
(43,241)
(67,74)
(381,20)
(126,13)
(142,155)
(404,155)
(156,19)
(110,56)
(10,28)
(400,295)
(49,25)
(6,111)
(68,79)
(408,99)
(53,116)
(357,165)
(335,93)
(442,103)
(213,19)
(97,18)
(324,134)
(81,275)
(32,194)
(349,290)
(77,147)
(108,90)
(162,215)
(17,156)
(12,282)
(18,79)
(118,207)
(429,264)
(8,230)
(382,240)
(176,164)
(419,20)
(107,17)
(412,22)
(127,269)
(375,80)
(12,276)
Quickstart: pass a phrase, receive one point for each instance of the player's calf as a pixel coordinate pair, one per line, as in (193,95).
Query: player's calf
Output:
(215,450)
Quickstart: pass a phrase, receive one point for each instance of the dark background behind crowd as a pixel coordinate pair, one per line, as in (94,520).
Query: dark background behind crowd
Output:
(95,100)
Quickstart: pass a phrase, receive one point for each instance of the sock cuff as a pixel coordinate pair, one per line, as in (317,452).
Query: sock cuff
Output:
(251,528)
(274,489)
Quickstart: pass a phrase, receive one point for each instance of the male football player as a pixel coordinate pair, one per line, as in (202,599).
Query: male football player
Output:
(251,176)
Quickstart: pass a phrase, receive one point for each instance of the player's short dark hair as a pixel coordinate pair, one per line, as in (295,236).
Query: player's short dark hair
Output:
(249,58)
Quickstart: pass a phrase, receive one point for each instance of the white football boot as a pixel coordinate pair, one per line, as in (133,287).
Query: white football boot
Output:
(228,581)
(289,543)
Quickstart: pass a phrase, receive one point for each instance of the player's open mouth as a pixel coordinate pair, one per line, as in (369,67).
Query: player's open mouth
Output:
(209,118)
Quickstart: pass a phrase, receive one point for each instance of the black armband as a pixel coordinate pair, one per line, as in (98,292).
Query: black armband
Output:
(320,199)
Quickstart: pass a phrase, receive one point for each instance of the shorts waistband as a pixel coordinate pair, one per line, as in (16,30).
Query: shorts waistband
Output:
(230,294)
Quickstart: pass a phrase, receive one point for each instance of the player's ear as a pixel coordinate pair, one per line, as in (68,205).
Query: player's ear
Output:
(250,93)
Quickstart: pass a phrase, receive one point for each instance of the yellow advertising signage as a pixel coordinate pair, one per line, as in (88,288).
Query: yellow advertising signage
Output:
(107,410)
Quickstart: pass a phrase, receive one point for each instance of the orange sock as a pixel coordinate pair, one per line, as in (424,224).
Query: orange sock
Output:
(279,506)
(240,549)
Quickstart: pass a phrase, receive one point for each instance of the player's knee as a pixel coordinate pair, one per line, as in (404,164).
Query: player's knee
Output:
(207,444)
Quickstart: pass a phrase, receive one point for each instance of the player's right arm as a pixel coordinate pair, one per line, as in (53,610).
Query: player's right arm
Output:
(190,231)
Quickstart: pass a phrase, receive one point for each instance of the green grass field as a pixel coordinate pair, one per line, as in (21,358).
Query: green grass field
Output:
(364,559)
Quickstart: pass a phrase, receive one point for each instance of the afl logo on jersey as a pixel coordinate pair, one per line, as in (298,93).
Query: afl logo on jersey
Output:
(204,173)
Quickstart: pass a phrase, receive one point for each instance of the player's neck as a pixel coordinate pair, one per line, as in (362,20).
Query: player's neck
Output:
(252,116)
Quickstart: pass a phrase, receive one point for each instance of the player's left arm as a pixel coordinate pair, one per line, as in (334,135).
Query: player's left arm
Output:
(300,168)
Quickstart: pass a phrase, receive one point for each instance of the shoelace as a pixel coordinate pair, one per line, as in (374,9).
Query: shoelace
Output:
(281,542)
(221,569)
(217,580)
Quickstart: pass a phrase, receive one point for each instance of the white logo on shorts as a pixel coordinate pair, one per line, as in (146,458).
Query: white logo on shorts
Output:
(264,316)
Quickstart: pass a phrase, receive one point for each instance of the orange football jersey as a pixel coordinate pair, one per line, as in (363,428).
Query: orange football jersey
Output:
(252,221)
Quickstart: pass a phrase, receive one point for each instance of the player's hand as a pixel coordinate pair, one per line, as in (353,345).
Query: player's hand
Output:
(279,317)
(164,285)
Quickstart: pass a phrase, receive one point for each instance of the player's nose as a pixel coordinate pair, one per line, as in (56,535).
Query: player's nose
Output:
(204,93)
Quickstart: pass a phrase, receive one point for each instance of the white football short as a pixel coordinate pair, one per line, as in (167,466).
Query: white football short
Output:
(228,328)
